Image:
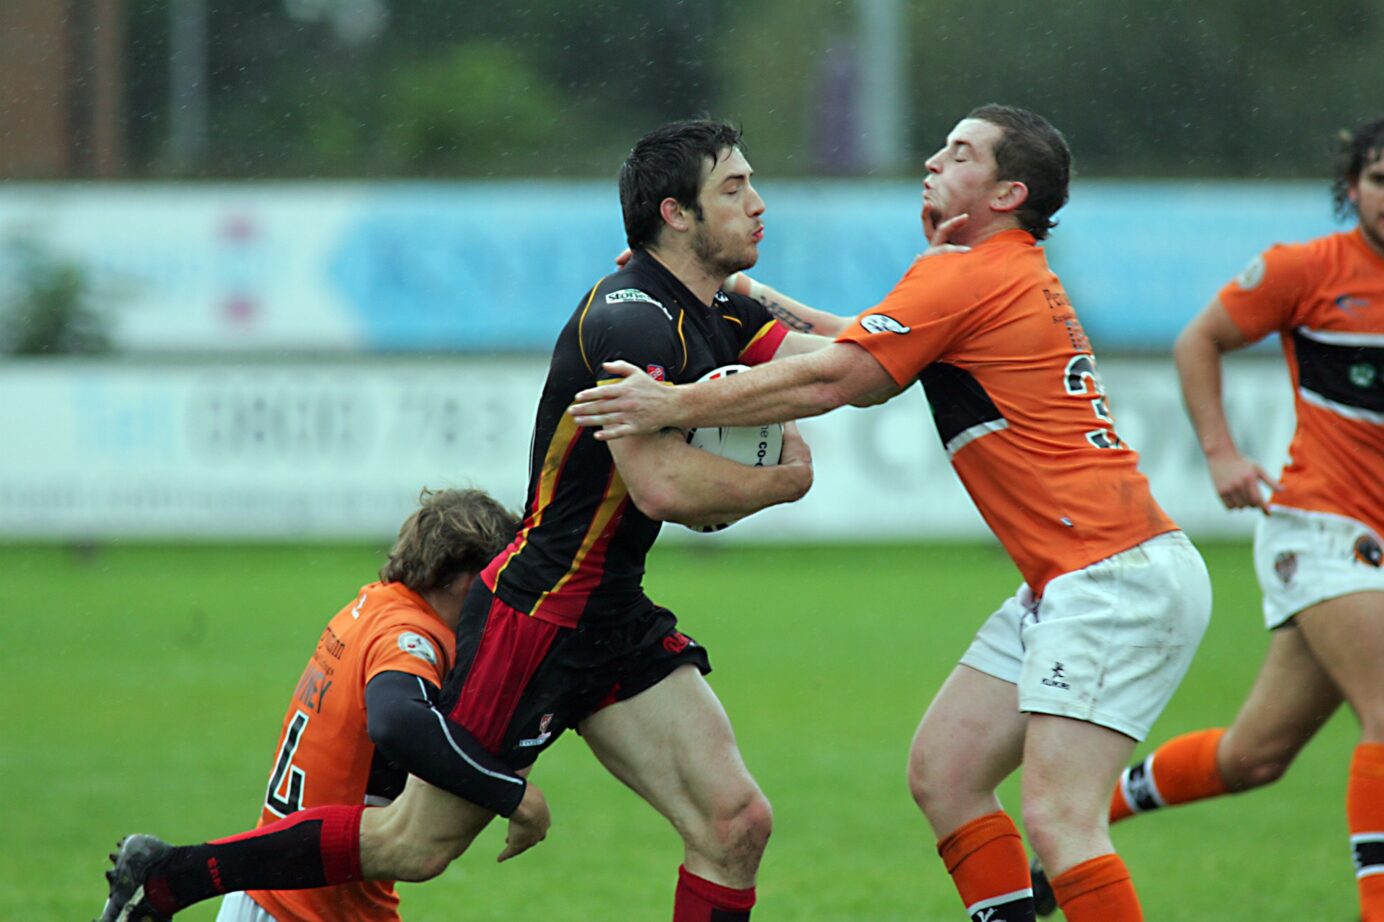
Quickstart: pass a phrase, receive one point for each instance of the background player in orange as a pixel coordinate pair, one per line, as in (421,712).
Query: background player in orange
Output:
(1317,548)
(558,631)
(1072,670)
(363,706)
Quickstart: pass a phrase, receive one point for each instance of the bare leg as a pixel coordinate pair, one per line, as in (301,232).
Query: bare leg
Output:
(673,745)
(970,739)
(1292,697)
(419,834)
(1069,768)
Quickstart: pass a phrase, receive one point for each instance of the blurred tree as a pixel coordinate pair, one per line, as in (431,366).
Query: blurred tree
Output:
(46,307)
(1173,88)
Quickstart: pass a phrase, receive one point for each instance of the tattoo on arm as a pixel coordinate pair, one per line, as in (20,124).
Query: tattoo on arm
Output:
(786,316)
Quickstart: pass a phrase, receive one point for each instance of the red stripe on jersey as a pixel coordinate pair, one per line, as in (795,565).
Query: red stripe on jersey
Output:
(588,565)
(511,649)
(764,344)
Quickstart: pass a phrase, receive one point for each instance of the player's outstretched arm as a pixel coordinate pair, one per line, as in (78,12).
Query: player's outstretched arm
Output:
(779,391)
(404,725)
(1197,353)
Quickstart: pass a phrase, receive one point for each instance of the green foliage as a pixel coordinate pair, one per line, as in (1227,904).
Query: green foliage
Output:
(1175,88)
(48,307)
(477,108)
(156,709)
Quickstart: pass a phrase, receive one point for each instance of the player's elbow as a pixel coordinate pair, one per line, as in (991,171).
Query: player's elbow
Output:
(658,501)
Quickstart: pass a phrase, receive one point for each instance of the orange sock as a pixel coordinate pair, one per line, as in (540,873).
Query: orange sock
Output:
(1365,818)
(1098,890)
(1181,770)
(986,860)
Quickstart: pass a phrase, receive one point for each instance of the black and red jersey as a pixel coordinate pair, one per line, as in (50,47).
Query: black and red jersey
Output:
(579,554)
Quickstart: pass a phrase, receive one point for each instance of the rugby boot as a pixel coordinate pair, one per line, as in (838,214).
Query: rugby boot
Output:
(135,858)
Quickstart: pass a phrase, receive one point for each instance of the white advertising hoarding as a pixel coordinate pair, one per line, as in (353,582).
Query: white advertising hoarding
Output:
(340,449)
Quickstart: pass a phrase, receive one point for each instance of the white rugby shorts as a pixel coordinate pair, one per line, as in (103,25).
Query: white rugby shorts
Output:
(238,907)
(1305,558)
(1108,643)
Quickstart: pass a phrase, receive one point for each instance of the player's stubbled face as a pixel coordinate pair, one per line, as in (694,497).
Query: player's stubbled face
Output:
(961,176)
(1368,195)
(727,237)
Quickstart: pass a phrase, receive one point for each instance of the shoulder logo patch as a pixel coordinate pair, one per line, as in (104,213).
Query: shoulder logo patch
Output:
(883,323)
(1251,275)
(626,295)
(417,645)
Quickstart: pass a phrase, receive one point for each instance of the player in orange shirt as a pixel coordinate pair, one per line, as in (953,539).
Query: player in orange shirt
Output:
(1072,670)
(1317,547)
(364,705)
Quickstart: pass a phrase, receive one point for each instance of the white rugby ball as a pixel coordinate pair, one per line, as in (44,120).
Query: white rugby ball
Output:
(757,446)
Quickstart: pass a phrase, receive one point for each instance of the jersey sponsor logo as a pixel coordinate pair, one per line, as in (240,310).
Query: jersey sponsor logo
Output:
(626,295)
(417,645)
(656,372)
(355,612)
(1251,275)
(1059,672)
(721,297)
(1349,303)
(544,733)
(883,323)
(1285,565)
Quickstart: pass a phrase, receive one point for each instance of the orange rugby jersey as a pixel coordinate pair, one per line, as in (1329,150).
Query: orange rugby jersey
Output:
(1014,390)
(325,755)
(1326,300)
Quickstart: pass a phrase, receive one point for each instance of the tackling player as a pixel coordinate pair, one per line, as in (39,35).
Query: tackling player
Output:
(363,706)
(1317,548)
(1069,673)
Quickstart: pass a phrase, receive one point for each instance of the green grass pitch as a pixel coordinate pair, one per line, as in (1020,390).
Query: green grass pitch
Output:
(143,687)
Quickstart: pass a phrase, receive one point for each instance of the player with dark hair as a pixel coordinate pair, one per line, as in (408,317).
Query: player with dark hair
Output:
(557,633)
(1068,674)
(1317,548)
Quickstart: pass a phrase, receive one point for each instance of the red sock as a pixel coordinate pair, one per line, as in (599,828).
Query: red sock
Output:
(317,847)
(1098,890)
(1365,818)
(700,900)
(986,860)
(1181,770)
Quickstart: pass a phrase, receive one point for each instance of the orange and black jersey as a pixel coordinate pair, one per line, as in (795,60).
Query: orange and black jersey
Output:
(579,554)
(1018,402)
(1325,298)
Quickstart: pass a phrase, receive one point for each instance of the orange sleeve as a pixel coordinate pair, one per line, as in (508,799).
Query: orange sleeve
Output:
(1261,299)
(401,643)
(929,309)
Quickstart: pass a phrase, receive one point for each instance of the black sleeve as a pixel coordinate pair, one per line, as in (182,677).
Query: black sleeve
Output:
(411,733)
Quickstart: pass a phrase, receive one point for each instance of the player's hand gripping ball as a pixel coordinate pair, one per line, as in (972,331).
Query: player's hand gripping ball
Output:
(756,446)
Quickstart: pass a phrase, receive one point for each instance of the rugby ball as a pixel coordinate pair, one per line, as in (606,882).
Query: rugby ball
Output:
(756,446)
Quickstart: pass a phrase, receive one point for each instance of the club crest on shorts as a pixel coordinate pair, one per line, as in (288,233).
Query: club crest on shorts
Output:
(544,733)
(1368,551)
(1285,565)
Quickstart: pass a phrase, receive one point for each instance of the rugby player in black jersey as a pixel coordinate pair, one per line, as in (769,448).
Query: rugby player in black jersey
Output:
(558,632)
